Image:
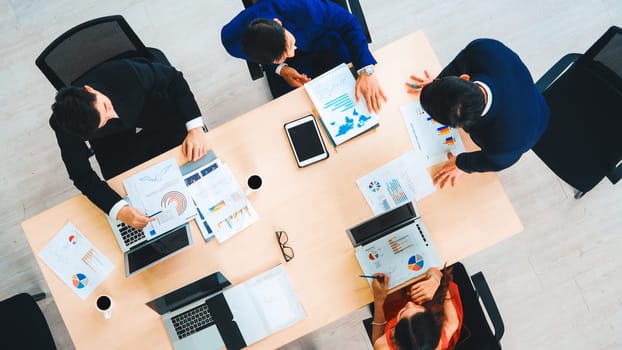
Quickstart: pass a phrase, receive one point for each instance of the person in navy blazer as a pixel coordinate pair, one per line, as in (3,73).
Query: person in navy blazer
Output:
(488,91)
(129,111)
(299,40)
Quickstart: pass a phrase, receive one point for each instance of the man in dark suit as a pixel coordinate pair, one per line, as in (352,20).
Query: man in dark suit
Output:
(488,91)
(297,40)
(129,111)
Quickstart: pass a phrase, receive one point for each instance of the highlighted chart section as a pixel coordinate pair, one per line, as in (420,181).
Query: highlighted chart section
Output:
(79,280)
(415,262)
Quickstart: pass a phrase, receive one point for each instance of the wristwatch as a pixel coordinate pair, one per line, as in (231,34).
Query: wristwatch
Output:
(367,70)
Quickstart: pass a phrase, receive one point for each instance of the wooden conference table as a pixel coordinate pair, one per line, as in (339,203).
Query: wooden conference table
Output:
(314,205)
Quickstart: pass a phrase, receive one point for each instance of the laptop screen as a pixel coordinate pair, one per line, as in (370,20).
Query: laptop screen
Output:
(382,224)
(189,293)
(157,249)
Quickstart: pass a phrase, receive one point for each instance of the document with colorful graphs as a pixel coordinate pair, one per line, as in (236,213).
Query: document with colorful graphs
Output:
(429,136)
(402,255)
(222,202)
(342,116)
(402,180)
(160,192)
(76,261)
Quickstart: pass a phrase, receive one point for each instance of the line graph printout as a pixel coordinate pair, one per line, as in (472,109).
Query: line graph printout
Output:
(429,136)
(332,93)
(160,191)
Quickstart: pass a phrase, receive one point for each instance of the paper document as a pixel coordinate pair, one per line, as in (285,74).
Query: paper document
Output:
(76,261)
(222,202)
(160,191)
(264,305)
(402,180)
(429,136)
(343,118)
(192,177)
(402,255)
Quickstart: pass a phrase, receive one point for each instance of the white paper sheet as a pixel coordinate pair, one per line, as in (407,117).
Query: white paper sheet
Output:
(264,305)
(402,180)
(76,261)
(332,93)
(223,203)
(206,231)
(160,191)
(402,255)
(429,136)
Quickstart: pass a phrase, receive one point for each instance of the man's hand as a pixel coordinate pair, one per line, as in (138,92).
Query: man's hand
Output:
(417,83)
(293,78)
(449,172)
(133,217)
(368,87)
(380,289)
(195,144)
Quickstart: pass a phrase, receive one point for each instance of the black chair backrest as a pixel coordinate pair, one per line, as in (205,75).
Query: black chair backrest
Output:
(87,45)
(605,57)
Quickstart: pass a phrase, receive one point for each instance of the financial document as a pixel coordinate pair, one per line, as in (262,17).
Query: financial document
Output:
(76,261)
(402,180)
(160,192)
(222,202)
(430,137)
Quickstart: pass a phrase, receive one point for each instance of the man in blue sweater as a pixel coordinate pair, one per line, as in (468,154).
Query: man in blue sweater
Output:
(298,40)
(487,91)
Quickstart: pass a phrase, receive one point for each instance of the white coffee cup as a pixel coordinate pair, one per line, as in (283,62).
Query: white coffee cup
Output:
(104,305)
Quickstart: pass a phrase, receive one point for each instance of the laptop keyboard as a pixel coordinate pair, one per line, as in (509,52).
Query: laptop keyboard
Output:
(192,321)
(129,234)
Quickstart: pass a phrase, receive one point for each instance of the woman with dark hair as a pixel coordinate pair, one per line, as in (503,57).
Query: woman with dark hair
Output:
(428,315)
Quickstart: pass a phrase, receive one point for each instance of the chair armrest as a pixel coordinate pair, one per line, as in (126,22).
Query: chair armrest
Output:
(616,173)
(255,70)
(481,286)
(554,72)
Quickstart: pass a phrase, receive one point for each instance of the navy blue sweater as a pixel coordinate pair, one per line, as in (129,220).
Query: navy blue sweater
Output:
(518,115)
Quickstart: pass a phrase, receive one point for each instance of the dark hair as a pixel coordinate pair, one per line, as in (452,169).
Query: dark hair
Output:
(453,101)
(74,110)
(423,330)
(263,41)
(419,332)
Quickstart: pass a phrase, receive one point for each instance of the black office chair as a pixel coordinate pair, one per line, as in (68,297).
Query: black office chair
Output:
(475,333)
(581,144)
(23,325)
(89,44)
(353,6)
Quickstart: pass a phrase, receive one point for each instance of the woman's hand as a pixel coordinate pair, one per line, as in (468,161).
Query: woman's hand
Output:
(380,289)
(424,290)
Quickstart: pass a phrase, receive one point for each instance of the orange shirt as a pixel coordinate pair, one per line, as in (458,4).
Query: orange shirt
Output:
(447,343)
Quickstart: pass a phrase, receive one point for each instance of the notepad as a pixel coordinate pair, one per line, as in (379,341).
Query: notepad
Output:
(341,115)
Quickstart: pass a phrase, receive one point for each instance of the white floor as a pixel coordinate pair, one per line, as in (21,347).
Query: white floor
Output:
(555,283)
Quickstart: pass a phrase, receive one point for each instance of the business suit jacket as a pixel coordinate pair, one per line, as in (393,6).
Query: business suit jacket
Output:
(145,95)
(518,116)
(317,25)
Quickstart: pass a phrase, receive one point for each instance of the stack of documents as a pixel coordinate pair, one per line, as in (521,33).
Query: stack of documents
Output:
(343,118)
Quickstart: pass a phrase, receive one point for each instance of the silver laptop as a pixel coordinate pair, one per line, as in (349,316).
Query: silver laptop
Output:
(126,235)
(188,315)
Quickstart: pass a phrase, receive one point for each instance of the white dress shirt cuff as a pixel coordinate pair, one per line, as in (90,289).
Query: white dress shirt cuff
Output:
(360,70)
(194,123)
(114,211)
(279,67)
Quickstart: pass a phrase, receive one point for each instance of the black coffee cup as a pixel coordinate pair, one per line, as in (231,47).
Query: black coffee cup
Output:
(254,182)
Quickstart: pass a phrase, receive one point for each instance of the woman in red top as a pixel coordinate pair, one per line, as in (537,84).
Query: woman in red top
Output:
(429,316)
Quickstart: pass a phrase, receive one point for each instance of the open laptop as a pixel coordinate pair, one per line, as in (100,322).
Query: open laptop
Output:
(396,243)
(211,314)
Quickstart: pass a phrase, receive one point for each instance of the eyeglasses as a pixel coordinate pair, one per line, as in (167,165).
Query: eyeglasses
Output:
(288,252)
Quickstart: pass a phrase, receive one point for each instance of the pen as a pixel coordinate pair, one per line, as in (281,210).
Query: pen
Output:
(379,278)
(414,86)
(154,214)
